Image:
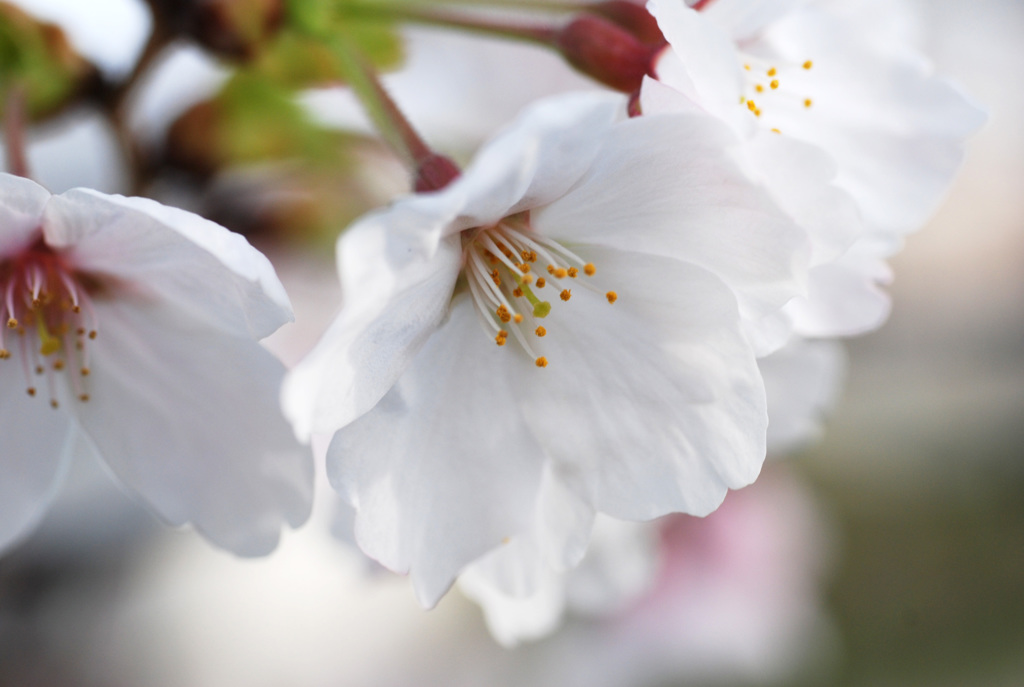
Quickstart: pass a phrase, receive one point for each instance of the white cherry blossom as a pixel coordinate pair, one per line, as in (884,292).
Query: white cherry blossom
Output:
(506,364)
(840,77)
(131,329)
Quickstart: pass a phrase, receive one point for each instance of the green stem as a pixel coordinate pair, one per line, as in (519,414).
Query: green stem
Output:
(381,109)
(533,33)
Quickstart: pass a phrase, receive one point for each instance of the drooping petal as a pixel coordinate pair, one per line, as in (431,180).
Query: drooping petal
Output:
(655,402)
(397,281)
(170,254)
(34,452)
(802,381)
(844,297)
(188,418)
(686,198)
(443,468)
(21,209)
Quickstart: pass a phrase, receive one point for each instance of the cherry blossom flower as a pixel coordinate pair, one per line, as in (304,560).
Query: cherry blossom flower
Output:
(502,368)
(130,330)
(840,77)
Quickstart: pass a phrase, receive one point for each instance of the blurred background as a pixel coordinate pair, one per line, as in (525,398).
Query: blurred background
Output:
(889,552)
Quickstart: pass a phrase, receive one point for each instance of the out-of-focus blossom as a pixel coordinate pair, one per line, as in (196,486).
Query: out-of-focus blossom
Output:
(841,77)
(134,328)
(621,382)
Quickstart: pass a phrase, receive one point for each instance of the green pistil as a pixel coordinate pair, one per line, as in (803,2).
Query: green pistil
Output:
(48,343)
(540,308)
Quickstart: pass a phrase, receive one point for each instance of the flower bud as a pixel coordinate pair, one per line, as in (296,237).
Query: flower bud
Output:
(605,52)
(632,17)
(236,28)
(435,172)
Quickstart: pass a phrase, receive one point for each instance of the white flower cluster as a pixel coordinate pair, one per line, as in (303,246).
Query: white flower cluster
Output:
(578,330)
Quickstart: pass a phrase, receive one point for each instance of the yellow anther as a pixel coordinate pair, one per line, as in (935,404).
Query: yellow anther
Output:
(83,398)
(747,67)
(561,273)
(533,256)
(503,313)
(759,88)
(573,272)
(551,269)
(808,64)
(4,354)
(541,282)
(808,102)
(54,404)
(612,296)
(525,255)
(518,293)
(565,295)
(92,334)
(500,340)
(492,258)
(58,365)
(774,84)
(518,318)
(40,369)
(589,269)
(31,391)
(542,362)
(742,100)
(757,113)
(540,331)
(524,268)
(776,131)
(85,371)
(751,105)
(12,323)
(773,71)
(527,279)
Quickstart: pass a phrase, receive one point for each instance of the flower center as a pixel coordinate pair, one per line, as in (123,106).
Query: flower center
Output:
(765,90)
(501,266)
(48,313)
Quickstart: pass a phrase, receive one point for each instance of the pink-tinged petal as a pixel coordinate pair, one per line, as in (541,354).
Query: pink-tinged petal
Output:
(654,402)
(188,418)
(35,443)
(802,381)
(443,469)
(685,198)
(172,255)
(844,297)
(22,202)
(397,282)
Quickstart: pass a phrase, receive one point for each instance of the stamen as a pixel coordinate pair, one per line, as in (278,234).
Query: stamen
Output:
(540,331)
(612,296)
(565,295)
(542,362)
(589,269)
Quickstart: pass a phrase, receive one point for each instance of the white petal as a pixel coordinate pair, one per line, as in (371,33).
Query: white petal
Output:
(173,255)
(513,619)
(34,452)
(397,282)
(537,158)
(666,185)
(188,417)
(802,382)
(844,298)
(21,210)
(443,468)
(894,128)
(654,403)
